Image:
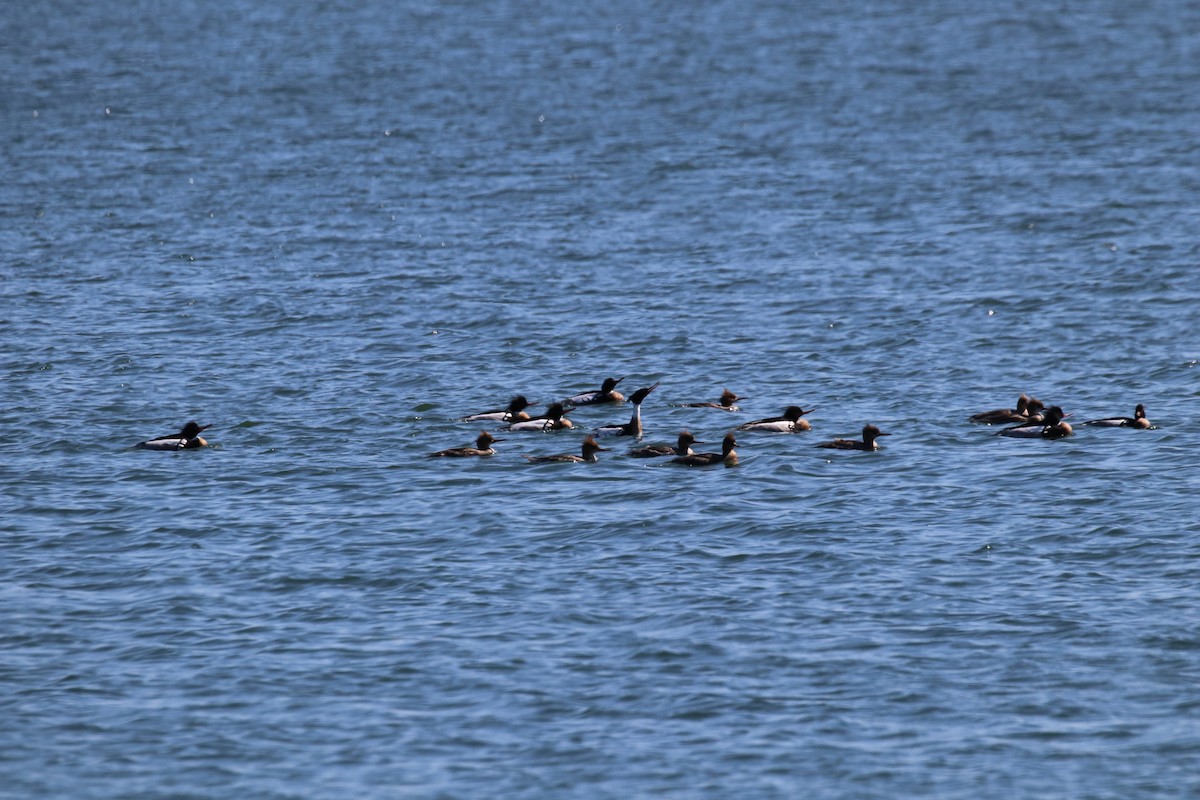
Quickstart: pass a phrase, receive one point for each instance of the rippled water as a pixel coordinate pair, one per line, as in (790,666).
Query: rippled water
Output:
(332,229)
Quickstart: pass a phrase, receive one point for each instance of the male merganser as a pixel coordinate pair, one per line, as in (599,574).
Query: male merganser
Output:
(515,412)
(634,426)
(1138,420)
(1050,427)
(869,434)
(553,420)
(684,448)
(728,399)
(483,447)
(589,448)
(790,422)
(187,439)
(1003,415)
(607,394)
(727,456)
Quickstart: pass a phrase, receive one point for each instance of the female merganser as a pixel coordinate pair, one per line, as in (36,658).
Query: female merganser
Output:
(790,422)
(1050,427)
(728,399)
(869,434)
(187,439)
(634,426)
(607,394)
(727,456)
(483,447)
(589,447)
(553,420)
(684,448)
(515,412)
(1005,415)
(1138,420)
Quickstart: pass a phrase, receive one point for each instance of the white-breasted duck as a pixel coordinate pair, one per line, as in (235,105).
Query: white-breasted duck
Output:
(791,421)
(589,448)
(483,447)
(514,412)
(1051,426)
(728,456)
(1138,420)
(683,448)
(553,420)
(869,434)
(608,394)
(187,439)
(634,426)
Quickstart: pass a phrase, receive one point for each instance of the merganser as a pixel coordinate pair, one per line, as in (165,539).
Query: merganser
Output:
(790,422)
(483,447)
(589,448)
(553,420)
(869,434)
(1050,427)
(515,412)
(607,394)
(1008,415)
(684,448)
(728,399)
(1138,420)
(187,439)
(634,426)
(727,456)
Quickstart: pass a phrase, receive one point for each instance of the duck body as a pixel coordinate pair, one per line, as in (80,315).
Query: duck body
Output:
(1009,416)
(1051,426)
(634,426)
(683,448)
(1138,420)
(607,394)
(727,456)
(483,447)
(589,449)
(869,433)
(187,439)
(791,422)
(515,412)
(554,420)
(728,402)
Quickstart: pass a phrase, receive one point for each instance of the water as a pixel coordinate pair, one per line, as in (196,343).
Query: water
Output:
(332,229)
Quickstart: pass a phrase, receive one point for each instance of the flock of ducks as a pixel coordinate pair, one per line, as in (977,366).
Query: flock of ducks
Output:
(1030,419)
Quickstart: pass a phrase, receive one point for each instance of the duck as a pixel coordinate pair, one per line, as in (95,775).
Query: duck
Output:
(589,448)
(515,412)
(790,422)
(554,420)
(187,439)
(683,448)
(634,426)
(607,394)
(1051,426)
(869,434)
(483,447)
(727,402)
(727,456)
(1009,415)
(1138,420)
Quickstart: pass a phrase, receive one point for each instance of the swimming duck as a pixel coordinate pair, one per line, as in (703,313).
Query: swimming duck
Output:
(1138,420)
(790,422)
(187,439)
(483,447)
(554,419)
(607,394)
(1005,415)
(727,456)
(589,449)
(514,412)
(1051,426)
(727,402)
(869,434)
(683,448)
(634,426)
